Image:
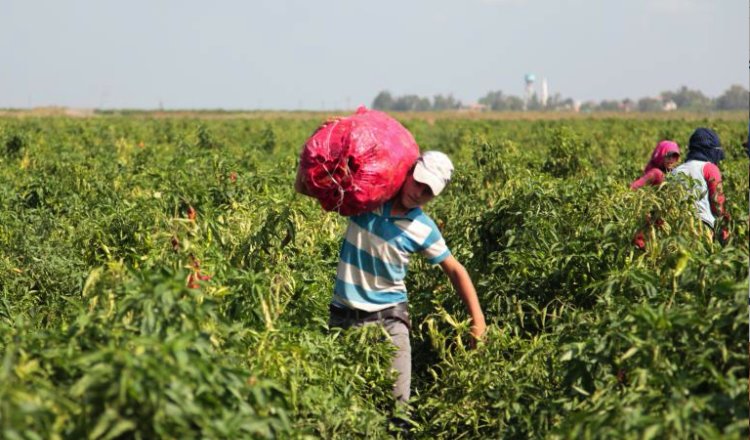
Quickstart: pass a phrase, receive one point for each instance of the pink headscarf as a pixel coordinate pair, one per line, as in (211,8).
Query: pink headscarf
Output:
(657,157)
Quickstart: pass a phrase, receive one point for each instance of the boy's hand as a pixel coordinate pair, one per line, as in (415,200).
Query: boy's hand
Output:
(477,333)
(462,283)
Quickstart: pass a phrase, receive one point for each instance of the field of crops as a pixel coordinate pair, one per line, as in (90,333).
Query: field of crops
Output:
(160,278)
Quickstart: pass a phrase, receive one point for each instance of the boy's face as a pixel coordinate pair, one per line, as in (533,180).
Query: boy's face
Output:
(414,194)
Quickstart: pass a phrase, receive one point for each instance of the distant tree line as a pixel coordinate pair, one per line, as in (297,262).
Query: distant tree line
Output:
(735,98)
(406,103)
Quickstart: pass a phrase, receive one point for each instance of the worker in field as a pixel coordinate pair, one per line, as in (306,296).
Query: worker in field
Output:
(375,256)
(664,158)
(702,165)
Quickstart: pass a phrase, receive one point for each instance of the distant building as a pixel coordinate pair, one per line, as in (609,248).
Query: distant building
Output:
(670,106)
(475,107)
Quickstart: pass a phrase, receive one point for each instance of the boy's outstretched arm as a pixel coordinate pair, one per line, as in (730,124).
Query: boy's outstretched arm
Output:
(462,283)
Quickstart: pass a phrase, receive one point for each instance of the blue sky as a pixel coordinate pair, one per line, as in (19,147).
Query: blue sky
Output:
(326,54)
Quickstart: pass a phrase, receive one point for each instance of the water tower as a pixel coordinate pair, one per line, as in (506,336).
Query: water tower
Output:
(529,79)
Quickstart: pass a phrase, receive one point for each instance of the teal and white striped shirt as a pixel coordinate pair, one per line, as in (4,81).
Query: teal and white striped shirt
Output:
(375,256)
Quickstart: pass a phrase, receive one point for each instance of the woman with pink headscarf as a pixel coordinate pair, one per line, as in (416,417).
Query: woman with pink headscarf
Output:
(663,159)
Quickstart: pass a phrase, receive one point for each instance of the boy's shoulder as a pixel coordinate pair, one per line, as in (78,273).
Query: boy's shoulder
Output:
(422,217)
(382,213)
(422,224)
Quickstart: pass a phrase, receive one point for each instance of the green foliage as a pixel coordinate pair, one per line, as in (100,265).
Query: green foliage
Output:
(159,278)
(14,144)
(567,153)
(205,139)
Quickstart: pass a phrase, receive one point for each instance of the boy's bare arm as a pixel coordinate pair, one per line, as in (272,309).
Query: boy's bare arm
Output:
(462,283)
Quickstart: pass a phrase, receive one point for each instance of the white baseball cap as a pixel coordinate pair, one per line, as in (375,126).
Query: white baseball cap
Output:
(434,169)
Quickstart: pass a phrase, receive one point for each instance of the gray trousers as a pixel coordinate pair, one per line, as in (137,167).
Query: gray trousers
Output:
(401,362)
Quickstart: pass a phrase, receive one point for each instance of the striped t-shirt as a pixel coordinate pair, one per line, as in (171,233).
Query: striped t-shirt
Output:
(375,256)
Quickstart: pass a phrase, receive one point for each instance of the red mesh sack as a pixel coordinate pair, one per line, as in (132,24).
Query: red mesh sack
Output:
(354,164)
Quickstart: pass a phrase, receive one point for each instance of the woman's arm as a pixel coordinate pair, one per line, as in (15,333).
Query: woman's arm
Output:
(716,198)
(652,177)
(715,192)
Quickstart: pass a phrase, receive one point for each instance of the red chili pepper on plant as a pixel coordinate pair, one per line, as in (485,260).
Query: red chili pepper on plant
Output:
(192,283)
(639,240)
(196,275)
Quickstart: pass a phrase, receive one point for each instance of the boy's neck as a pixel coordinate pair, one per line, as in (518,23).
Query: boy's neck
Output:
(397,208)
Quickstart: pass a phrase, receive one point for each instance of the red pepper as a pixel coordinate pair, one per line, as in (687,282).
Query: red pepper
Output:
(639,240)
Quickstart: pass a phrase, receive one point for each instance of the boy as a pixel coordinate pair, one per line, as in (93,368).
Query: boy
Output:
(374,259)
